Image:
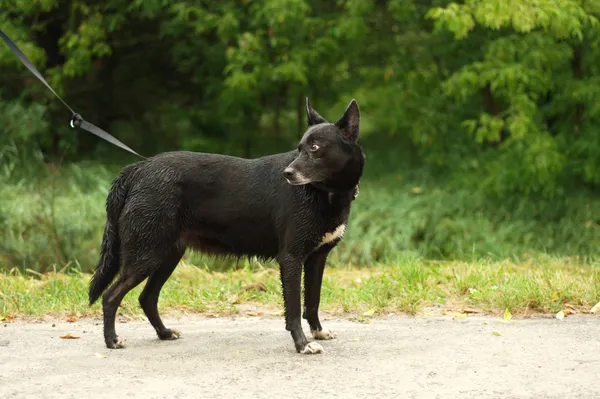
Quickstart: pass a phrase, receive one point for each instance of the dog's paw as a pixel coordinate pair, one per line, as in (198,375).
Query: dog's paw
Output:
(170,334)
(323,334)
(312,348)
(115,343)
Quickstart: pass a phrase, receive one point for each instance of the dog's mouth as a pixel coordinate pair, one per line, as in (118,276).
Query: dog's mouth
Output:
(298,180)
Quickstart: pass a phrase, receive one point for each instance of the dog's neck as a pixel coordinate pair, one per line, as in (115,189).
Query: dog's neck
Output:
(343,187)
(333,196)
(343,182)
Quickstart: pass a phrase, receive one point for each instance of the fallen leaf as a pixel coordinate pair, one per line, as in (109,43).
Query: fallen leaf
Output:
(69,336)
(234,299)
(596,308)
(369,312)
(256,287)
(459,316)
(560,315)
(468,310)
(71,319)
(507,315)
(100,355)
(254,314)
(8,319)
(361,319)
(496,334)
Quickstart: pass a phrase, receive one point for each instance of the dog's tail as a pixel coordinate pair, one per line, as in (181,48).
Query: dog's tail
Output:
(110,259)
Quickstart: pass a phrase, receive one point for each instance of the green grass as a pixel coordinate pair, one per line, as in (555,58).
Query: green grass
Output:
(538,285)
(55,216)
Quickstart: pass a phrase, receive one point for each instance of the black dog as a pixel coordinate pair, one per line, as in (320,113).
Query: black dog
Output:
(292,207)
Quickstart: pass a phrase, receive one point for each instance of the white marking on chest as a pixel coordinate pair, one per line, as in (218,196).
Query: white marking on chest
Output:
(334,235)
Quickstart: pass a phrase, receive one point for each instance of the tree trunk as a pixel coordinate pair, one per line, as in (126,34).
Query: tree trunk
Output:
(300,118)
(576,65)
(491,107)
(249,127)
(48,41)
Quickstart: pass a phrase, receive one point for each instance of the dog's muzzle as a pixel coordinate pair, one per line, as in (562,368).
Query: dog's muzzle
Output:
(294,178)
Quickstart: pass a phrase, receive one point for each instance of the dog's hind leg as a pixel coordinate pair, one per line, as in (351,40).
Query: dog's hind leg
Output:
(291,278)
(112,299)
(149,296)
(313,278)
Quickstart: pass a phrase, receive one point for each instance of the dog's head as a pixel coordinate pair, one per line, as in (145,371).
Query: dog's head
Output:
(328,155)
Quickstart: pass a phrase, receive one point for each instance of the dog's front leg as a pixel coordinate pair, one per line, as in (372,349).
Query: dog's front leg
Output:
(313,278)
(291,276)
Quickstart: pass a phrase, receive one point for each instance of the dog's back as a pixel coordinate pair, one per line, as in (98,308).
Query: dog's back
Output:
(226,205)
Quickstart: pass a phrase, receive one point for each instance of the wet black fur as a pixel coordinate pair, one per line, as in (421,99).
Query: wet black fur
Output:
(230,206)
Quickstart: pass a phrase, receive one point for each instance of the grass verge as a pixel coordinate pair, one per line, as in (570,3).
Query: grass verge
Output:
(541,285)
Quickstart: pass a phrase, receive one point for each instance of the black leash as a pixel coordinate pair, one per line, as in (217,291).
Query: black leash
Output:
(76,119)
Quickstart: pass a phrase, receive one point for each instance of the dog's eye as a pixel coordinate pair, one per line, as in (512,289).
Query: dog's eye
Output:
(314,147)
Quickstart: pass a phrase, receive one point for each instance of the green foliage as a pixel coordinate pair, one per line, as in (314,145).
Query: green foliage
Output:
(57,218)
(532,53)
(509,85)
(497,99)
(53,219)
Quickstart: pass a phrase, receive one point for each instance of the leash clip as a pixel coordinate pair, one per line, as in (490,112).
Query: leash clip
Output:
(75,120)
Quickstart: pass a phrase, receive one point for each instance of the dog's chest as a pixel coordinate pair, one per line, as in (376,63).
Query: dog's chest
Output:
(332,236)
(332,230)
(324,223)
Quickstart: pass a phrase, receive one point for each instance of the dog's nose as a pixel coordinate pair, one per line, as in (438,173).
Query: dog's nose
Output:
(288,172)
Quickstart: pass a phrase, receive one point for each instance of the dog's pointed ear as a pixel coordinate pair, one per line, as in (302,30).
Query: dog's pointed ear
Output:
(350,121)
(312,117)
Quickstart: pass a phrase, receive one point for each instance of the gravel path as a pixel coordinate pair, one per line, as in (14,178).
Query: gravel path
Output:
(254,357)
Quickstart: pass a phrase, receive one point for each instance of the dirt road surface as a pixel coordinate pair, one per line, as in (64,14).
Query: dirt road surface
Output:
(253,357)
